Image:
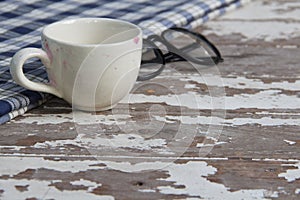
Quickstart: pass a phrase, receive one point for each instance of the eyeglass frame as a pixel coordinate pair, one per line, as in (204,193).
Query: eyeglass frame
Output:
(175,55)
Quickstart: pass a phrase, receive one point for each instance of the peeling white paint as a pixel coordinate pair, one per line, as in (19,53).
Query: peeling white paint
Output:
(137,167)
(124,141)
(243,83)
(78,117)
(268,99)
(180,174)
(190,120)
(289,47)
(277,113)
(253,30)
(261,24)
(210,120)
(264,121)
(97,141)
(91,185)
(271,194)
(290,142)
(113,157)
(209,145)
(15,165)
(190,86)
(146,190)
(15,148)
(41,190)
(192,176)
(297,191)
(291,174)
(271,10)
(276,160)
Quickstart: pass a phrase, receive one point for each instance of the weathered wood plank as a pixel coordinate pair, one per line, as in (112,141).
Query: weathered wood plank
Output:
(170,141)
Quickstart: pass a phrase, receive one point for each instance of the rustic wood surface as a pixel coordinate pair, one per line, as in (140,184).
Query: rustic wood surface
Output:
(227,132)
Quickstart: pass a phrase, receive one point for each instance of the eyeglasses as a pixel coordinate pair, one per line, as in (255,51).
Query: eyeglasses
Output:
(180,45)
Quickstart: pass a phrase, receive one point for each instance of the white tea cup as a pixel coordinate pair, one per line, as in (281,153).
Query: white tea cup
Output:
(92,63)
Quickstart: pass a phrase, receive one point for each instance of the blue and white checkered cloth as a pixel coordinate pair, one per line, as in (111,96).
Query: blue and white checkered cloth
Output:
(21,23)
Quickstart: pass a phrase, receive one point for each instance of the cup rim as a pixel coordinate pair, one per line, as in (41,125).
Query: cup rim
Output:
(68,21)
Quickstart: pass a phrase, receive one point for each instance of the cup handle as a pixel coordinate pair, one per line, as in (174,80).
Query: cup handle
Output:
(16,70)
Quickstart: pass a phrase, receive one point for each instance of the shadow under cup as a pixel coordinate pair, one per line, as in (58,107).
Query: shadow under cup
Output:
(94,61)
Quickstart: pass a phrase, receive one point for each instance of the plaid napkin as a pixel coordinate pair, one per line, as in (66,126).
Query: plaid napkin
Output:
(21,23)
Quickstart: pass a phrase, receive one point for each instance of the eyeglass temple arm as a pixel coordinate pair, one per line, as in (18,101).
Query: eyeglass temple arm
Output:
(159,59)
(218,57)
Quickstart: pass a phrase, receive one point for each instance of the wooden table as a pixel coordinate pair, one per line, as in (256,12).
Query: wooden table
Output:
(227,132)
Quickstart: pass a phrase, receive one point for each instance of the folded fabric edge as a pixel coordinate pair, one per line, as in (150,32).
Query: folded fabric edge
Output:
(11,115)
